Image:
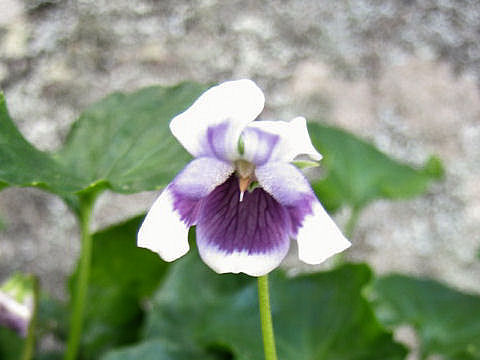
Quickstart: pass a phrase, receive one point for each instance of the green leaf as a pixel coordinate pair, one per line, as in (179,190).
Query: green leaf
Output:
(447,321)
(124,143)
(11,344)
(321,316)
(357,173)
(154,350)
(122,276)
(21,164)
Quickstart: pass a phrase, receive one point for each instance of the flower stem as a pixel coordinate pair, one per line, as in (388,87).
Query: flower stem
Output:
(29,347)
(266,319)
(81,286)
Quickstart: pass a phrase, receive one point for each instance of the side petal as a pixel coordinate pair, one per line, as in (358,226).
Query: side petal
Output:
(249,236)
(293,139)
(290,188)
(196,181)
(319,237)
(163,231)
(165,228)
(234,102)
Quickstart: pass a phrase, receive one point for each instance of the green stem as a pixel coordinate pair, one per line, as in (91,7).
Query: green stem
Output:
(266,319)
(29,345)
(80,293)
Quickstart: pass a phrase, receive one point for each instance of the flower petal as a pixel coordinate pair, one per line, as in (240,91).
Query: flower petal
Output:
(290,188)
(319,237)
(234,102)
(251,236)
(163,231)
(293,140)
(258,144)
(165,228)
(195,182)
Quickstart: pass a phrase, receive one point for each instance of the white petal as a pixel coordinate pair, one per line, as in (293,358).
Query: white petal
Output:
(241,262)
(294,139)
(319,237)
(163,231)
(238,102)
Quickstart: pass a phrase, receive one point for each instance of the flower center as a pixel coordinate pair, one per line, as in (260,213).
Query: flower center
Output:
(245,173)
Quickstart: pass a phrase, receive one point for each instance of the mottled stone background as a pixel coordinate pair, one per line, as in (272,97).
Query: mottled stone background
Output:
(403,74)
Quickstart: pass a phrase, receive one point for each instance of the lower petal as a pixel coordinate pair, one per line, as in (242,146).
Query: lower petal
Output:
(251,236)
(163,231)
(319,237)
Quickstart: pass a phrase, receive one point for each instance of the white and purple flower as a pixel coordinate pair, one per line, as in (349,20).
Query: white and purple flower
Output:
(241,191)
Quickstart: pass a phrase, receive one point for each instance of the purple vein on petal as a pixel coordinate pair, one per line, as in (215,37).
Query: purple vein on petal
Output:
(257,225)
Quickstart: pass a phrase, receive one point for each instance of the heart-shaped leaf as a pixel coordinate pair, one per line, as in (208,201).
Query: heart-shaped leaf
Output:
(357,173)
(21,164)
(123,143)
(447,321)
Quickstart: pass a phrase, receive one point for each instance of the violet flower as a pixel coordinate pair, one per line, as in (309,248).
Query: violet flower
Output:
(241,191)
(17,303)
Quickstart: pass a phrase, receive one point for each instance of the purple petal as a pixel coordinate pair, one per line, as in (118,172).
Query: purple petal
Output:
(14,315)
(251,236)
(290,188)
(258,145)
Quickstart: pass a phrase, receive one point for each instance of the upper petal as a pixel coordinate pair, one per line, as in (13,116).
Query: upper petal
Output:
(236,102)
(165,228)
(293,139)
(258,144)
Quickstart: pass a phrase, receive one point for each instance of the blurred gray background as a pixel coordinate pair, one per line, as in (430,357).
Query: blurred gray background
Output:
(404,75)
